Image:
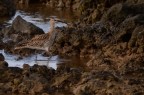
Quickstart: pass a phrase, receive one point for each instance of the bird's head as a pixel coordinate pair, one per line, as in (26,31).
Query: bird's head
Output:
(52,21)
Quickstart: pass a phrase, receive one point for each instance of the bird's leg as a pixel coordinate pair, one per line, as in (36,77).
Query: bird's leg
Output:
(36,59)
(48,61)
(49,58)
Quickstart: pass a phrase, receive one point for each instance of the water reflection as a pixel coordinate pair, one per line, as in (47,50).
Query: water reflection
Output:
(74,62)
(47,11)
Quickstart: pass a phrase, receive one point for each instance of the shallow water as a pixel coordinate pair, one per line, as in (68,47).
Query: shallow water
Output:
(36,19)
(31,60)
(39,15)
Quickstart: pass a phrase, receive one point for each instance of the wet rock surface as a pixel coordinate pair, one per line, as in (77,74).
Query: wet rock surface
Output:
(20,30)
(114,45)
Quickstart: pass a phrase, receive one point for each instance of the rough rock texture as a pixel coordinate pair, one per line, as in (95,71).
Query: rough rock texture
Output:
(121,25)
(114,46)
(6,8)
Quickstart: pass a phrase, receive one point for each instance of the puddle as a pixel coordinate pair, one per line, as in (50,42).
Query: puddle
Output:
(31,60)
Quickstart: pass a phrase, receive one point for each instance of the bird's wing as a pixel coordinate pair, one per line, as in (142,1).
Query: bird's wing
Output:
(37,41)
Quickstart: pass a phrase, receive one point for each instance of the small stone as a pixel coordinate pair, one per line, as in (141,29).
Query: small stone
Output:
(1,57)
(16,81)
(3,64)
(26,66)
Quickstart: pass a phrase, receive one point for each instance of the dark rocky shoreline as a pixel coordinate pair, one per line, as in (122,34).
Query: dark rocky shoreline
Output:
(109,32)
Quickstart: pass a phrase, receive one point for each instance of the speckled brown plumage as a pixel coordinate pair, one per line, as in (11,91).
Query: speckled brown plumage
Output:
(40,42)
